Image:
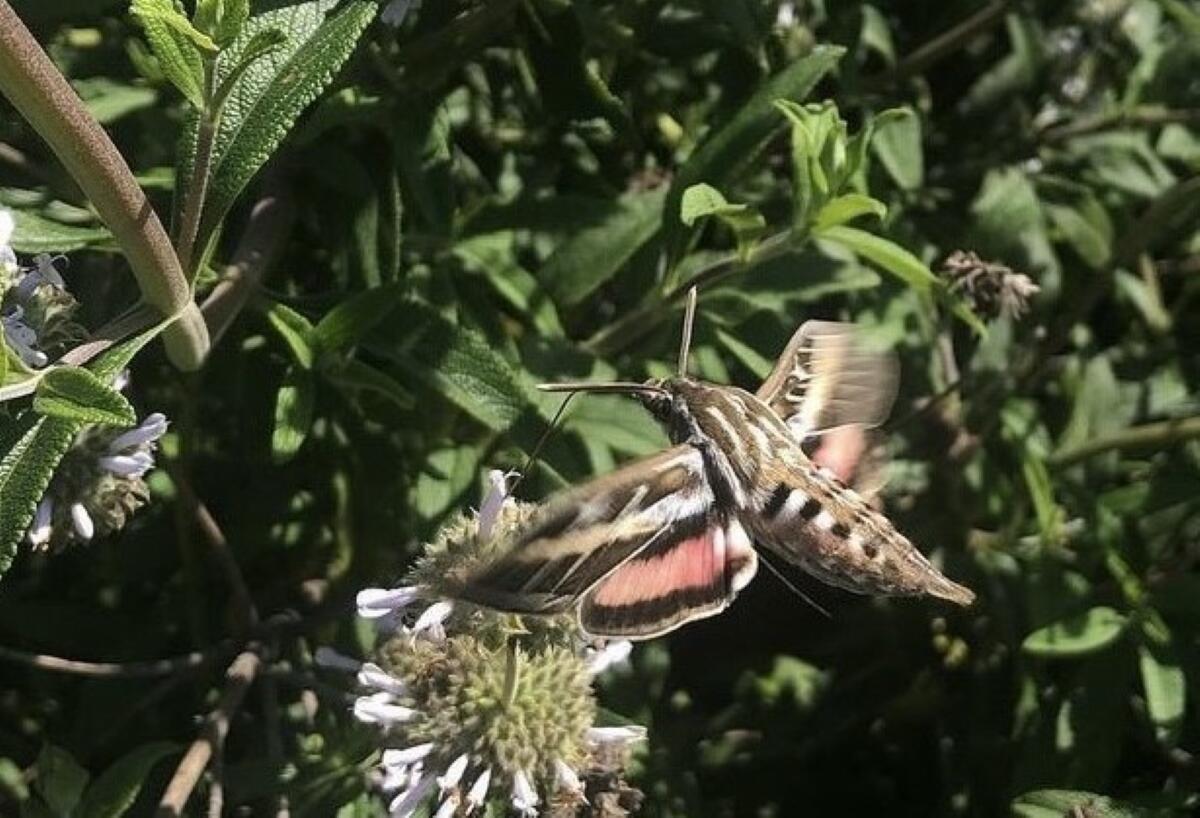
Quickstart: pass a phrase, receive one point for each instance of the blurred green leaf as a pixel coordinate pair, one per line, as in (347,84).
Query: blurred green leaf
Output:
(597,253)
(1165,686)
(897,143)
(847,208)
(1070,803)
(884,253)
(1079,635)
(114,790)
(295,330)
(60,780)
(352,319)
(293,413)
(36,234)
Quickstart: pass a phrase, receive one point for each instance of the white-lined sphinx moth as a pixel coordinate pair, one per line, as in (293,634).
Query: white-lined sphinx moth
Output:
(667,539)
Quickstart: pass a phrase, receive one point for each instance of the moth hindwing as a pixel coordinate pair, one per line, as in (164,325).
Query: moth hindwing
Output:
(667,539)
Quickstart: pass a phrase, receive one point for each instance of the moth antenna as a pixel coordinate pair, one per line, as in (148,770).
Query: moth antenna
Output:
(791,587)
(685,343)
(537,447)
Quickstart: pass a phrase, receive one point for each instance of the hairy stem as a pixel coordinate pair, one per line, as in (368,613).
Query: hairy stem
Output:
(42,95)
(193,206)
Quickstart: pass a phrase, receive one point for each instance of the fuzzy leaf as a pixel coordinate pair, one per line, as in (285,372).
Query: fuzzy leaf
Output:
(271,93)
(846,208)
(176,44)
(597,253)
(348,322)
(74,393)
(37,234)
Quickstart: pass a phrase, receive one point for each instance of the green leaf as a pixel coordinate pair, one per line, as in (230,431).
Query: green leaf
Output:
(35,234)
(347,323)
(109,100)
(456,362)
(723,154)
(60,780)
(356,375)
(74,393)
(1165,686)
(259,46)
(703,200)
(295,330)
(876,34)
(1091,241)
(271,93)
(176,44)
(293,413)
(1071,803)
(1077,636)
(897,143)
(884,253)
(597,253)
(846,208)
(115,790)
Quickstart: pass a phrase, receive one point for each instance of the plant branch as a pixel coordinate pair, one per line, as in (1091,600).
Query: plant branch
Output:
(633,326)
(238,678)
(42,95)
(110,670)
(1151,435)
(943,45)
(270,223)
(197,190)
(1139,115)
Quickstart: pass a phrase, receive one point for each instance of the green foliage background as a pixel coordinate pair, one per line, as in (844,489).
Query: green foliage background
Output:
(488,197)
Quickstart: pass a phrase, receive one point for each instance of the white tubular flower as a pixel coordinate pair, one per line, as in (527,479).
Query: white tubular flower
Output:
(524,796)
(493,502)
(40,529)
(448,807)
(329,658)
(393,13)
(616,735)
(405,804)
(477,795)
(374,603)
(786,16)
(378,708)
(566,779)
(128,465)
(8,258)
(614,653)
(372,675)
(147,432)
(82,520)
(433,616)
(407,756)
(454,773)
(23,339)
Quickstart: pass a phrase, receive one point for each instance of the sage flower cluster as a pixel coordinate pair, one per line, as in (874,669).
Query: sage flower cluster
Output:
(473,705)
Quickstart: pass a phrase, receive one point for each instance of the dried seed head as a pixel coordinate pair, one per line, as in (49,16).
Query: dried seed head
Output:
(992,289)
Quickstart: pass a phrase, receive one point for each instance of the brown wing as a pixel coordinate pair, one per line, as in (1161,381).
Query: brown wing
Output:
(647,519)
(828,378)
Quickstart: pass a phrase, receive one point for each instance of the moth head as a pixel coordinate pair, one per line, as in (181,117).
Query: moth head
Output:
(663,398)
